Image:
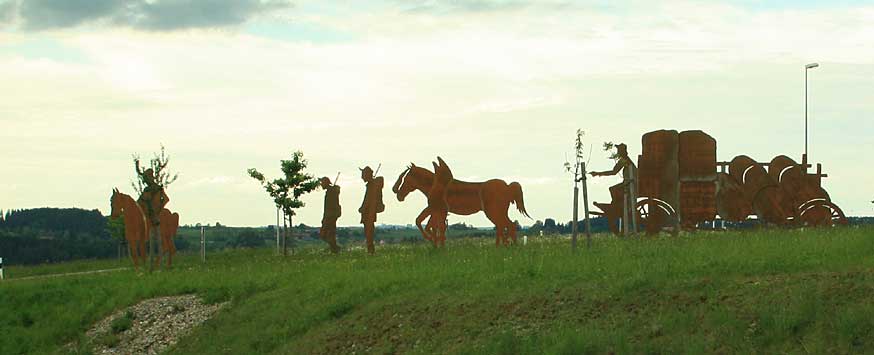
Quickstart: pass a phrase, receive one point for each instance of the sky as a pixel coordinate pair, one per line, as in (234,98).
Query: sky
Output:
(496,88)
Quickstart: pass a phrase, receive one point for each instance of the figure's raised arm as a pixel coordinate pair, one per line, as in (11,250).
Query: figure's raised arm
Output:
(616,169)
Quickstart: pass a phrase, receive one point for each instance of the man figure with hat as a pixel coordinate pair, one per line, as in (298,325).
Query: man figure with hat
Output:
(371,205)
(152,202)
(328,232)
(625,192)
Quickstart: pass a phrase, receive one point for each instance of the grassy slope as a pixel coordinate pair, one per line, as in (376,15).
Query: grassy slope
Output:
(769,292)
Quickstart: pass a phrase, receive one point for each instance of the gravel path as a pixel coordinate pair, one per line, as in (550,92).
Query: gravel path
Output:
(66,274)
(156,325)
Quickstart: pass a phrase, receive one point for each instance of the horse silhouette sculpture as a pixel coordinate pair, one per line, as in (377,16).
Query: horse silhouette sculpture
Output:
(135,228)
(466,198)
(169,226)
(438,208)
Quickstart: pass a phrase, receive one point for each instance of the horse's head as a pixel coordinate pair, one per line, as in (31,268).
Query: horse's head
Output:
(407,182)
(115,203)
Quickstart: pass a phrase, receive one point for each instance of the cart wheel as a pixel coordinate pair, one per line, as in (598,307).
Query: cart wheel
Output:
(654,214)
(821,212)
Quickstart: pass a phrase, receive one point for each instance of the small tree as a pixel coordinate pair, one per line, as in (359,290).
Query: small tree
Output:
(162,179)
(115,228)
(579,173)
(286,191)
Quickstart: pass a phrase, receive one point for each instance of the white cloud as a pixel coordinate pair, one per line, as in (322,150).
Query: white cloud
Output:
(496,93)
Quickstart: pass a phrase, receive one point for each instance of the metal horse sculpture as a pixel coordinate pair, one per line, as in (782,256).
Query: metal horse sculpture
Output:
(169,226)
(135,228)
(437,205)
(466,198)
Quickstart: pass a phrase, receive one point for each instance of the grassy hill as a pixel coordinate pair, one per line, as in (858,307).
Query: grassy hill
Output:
(770,291)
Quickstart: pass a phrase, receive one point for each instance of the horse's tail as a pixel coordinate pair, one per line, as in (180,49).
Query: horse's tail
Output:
(518,200)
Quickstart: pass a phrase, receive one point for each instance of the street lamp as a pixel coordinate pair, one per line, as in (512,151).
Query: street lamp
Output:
(806,68)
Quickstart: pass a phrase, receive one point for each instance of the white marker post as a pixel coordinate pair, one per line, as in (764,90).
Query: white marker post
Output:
(202,245)
(524,240)
(1,269)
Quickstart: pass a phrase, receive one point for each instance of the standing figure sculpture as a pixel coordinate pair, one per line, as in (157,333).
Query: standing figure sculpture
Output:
(152,201)
(624,194)
(437,205)
(135,229)
(328,232)
(372,204)
(169,228)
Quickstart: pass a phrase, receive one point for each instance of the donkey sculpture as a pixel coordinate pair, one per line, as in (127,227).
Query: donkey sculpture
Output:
(135,227)
(466,198)
(437,205)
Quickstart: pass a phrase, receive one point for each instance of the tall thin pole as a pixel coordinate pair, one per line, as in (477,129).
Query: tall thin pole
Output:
(586,207)
(278,211)
(202,245)
(806,68)
(576,208)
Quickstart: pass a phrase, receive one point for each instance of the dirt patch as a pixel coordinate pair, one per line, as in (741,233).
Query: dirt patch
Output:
(151,326)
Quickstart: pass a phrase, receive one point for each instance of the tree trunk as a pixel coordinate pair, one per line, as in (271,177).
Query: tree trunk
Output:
(152,247)
(291,232)
(285,236)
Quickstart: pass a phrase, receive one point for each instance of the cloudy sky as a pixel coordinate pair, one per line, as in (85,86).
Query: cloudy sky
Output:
(497,88)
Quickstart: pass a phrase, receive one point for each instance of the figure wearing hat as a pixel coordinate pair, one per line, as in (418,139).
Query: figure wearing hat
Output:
(328,232)
(624,194)
(371,205)
(153,199)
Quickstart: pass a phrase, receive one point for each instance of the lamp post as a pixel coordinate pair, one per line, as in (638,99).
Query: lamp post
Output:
(806,68)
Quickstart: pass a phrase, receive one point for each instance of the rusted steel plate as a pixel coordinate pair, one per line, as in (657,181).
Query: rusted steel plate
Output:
(731,204)
(658,166)
(697,156)
(760,189)
(697,201)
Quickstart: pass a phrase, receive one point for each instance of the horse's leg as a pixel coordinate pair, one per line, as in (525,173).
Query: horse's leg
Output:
(421,218)
(172,249)
(498,220)
(132,247)
(511,229)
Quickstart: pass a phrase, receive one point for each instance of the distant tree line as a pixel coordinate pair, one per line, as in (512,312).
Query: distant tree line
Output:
(54,234)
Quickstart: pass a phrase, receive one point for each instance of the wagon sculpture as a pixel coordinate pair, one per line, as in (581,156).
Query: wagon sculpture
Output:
(681,184)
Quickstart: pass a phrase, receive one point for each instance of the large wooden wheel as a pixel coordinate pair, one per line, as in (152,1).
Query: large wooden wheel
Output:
(821,212)
(654,214)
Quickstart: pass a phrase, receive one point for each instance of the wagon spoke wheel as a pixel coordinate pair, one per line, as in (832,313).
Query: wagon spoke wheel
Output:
(653,215)
(821,212)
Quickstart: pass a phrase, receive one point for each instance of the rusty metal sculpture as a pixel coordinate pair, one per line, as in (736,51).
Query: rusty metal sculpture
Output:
(624,194)
(135,229)
(169,227)
(493,197)
(372,204)
(332,212)
(437,205)
(680,186)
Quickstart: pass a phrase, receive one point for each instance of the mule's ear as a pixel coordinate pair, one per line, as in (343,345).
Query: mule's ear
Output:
(412,165)
(442,163)
(436,167)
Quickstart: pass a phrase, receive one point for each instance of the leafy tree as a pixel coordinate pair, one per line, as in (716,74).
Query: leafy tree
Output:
(286,191)
(115,228)
(158,164)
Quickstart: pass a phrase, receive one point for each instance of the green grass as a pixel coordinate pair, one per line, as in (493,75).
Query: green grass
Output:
(770,291)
